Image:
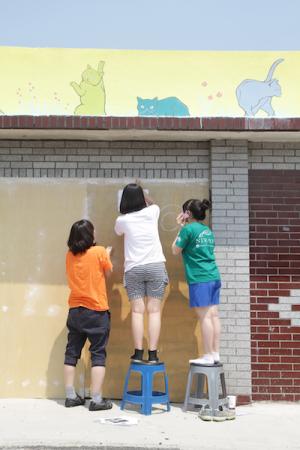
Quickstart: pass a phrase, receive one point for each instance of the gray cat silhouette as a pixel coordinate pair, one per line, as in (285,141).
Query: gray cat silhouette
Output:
(253,95)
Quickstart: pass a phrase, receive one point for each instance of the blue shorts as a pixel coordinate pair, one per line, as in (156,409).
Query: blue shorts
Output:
(205,294)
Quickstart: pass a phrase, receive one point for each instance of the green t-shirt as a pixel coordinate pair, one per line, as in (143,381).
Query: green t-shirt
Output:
(197,242)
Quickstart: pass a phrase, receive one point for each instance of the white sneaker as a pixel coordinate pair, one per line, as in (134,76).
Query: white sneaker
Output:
(206,359)
(216,357)
(206,413)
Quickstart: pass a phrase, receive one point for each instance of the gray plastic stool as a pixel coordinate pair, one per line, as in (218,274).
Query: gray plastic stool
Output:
(214,374)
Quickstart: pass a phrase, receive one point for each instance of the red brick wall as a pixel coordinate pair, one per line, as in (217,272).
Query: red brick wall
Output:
(274,202)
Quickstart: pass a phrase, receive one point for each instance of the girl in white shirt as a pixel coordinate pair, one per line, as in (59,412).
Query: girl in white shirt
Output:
(145,276)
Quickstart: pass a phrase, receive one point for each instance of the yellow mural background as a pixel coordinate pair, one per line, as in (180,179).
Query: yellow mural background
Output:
(34,293)
(37,81)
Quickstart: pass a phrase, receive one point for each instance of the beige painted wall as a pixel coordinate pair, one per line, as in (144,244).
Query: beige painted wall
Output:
(36,216)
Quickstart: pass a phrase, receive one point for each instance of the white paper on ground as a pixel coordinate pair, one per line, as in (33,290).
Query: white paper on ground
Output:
(242,412)
(121,420)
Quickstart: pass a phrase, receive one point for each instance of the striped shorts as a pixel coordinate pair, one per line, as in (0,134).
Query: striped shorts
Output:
(147,280)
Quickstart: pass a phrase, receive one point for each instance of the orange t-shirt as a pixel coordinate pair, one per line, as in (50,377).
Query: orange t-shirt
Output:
(86,278)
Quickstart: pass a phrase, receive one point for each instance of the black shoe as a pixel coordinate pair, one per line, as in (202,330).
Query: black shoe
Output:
(104,404)
(153,358)
(71,402)
(137,356)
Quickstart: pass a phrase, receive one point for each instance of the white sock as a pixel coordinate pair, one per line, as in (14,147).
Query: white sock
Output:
(70,392)
(97,398)
(207,358)
(216,356)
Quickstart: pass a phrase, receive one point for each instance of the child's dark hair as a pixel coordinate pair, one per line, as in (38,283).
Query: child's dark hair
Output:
(198,208)
(186,204)
(133,199)
(81,236)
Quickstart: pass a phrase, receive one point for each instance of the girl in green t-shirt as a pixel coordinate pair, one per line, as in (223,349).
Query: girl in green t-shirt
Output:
(196,243)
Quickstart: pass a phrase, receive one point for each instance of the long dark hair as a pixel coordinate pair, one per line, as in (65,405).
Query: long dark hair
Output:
(198,208)
(81,236)
(132,199)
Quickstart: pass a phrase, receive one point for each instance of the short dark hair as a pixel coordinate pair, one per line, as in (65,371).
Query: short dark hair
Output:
(81,236)
(133,199)
(198,208)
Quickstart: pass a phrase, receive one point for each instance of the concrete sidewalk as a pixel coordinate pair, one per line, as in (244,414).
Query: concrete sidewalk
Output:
(47,424)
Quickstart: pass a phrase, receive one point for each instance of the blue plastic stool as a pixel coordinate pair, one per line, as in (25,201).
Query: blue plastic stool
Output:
(146,397)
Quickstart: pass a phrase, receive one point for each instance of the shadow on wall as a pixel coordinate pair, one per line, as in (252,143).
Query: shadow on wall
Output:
(54,375)
(179,342)
(120,342)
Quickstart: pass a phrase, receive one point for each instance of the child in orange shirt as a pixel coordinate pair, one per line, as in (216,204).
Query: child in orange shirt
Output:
(89,316)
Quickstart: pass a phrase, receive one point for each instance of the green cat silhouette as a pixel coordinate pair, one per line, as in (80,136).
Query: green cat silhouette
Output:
(91,92)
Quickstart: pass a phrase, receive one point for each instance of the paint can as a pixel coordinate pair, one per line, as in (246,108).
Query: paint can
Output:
(231,401)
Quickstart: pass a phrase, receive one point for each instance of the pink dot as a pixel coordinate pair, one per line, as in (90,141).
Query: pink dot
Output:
(210,97)
(219,94)
(204,83)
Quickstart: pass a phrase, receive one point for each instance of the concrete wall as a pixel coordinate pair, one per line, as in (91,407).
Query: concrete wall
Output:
(38,213)
(225,164)
(229,187)
(104,159)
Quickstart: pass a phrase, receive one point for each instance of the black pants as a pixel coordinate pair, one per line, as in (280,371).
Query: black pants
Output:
(86,324)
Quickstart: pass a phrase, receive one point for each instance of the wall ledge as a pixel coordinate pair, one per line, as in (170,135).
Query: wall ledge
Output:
(149,128)
(150,123)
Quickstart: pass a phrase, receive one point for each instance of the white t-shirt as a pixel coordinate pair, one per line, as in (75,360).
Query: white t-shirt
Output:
(141,239)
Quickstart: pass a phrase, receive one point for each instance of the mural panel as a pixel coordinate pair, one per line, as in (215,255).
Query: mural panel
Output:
(33,291)
(149,83)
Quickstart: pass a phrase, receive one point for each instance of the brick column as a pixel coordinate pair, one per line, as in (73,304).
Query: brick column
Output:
(275,283)
(230,223)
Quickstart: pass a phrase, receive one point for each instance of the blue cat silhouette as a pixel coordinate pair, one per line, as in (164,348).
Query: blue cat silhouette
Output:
(168,107)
